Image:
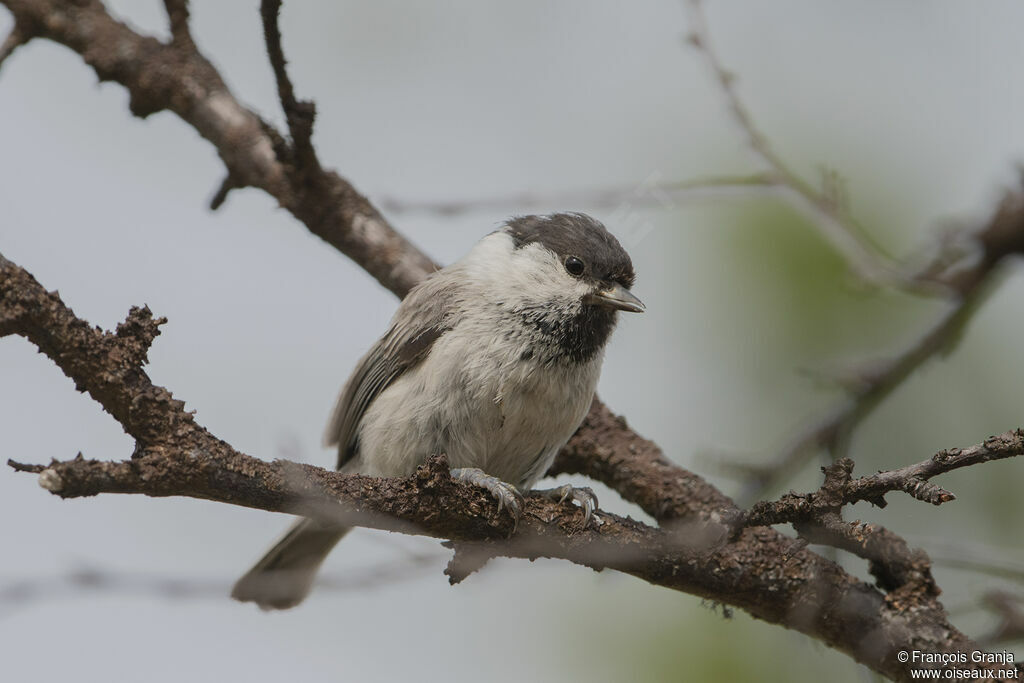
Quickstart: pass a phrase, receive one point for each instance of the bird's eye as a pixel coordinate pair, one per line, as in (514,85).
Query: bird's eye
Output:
(574,266)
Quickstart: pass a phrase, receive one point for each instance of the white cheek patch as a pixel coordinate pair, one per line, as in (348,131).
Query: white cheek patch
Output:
(540,277)
(528,277)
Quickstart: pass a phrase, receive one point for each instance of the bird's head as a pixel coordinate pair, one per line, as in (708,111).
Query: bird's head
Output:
(576,258)
(563,274)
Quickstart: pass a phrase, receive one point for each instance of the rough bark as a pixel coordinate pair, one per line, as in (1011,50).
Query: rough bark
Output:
(705,544)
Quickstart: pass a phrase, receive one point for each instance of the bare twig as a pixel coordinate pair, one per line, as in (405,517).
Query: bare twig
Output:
(179,79)
(654,194)
(605,449)
(330,207)
(817,517)
(824,207)
(229,183)
(178,16)
(912,479)
(1010,609)
(20,593)
(299,114)
(972,557)
(833,431)
(1001,236)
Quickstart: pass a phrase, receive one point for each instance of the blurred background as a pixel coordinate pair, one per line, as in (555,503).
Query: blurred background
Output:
(914,104)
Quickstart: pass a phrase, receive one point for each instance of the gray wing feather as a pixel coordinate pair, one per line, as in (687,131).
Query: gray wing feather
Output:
(425,314)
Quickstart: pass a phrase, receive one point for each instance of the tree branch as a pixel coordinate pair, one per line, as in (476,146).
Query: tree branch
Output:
(998,239)
(826,207)
(299,115)
(817,516)
(94,580)
(761,571)
(912,479)
(178,16)
(648,193)
(605,449)
(177,78)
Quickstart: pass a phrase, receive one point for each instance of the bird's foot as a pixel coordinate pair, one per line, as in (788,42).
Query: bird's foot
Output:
(583,497)
(506,494)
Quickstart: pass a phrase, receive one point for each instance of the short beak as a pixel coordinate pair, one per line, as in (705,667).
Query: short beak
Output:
(616,296)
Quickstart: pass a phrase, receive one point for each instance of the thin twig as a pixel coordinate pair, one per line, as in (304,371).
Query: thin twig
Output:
(914,480)
(832,433)
(824,207)
(1000,237)
(229,183)
(300,114)
(86,581)
(178,17)
(817,516)
(973,557)
(1010,609)
(178,78)
(665,195)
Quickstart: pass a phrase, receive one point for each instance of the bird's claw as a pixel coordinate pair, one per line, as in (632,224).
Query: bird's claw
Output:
(507,495)
(584,497)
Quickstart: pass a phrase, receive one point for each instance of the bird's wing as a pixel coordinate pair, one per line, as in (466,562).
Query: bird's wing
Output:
(423,316)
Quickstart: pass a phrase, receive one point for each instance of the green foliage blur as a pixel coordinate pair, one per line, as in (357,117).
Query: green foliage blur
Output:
(786,317)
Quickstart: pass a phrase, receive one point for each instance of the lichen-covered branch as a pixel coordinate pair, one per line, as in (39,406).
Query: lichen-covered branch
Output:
(912,480)
(771,576)
(817,516)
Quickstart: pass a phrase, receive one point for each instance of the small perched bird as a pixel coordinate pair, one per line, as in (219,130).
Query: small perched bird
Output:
(492,361)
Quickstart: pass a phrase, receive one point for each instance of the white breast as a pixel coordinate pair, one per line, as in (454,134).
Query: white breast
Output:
(477,400)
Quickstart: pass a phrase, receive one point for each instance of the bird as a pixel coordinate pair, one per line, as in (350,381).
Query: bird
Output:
(492,361)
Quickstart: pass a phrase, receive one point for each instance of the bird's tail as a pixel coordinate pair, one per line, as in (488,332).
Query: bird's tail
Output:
(284,577)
